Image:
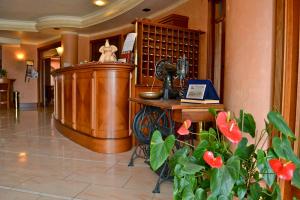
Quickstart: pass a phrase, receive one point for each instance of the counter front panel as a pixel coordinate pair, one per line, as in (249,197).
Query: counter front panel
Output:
(91,105)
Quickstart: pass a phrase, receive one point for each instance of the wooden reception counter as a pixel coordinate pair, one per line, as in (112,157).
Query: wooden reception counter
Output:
(91,105)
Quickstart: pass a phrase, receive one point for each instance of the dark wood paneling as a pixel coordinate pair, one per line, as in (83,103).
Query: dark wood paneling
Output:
(68,99)
(83,101)
(115,84)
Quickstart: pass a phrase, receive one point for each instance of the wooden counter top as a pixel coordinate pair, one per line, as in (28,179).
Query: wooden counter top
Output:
(94,65)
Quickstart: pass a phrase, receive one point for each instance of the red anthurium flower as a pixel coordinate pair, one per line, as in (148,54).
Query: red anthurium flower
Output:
(183,129)
(283,171)
(209,158)
(229,128)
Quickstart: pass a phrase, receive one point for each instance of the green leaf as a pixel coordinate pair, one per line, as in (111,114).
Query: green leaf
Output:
(189,167)
(212,197)
(279,123)
(200,149)
(247,123)
(160,149)
(233,167)
(296,178)
(210,135)
(221,182)
(276,195)
(181,153)
(284,150)
(213,111)
(243,151)
(255,191)
(264,167)
(200,194)
(241,192)
(187,193)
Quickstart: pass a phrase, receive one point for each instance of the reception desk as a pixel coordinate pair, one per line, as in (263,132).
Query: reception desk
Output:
(91,105)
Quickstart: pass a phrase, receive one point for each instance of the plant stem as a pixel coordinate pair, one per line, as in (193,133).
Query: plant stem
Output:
(185,143)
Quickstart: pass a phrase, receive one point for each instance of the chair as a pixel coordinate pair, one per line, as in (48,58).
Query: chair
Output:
(4,92)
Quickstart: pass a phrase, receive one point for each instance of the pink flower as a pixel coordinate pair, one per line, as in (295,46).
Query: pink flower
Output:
(228,128)
(209,158)
(283,171)
(183,129)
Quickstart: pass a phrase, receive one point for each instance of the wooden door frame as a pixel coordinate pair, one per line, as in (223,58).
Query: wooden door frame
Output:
(41,50)
(286,81)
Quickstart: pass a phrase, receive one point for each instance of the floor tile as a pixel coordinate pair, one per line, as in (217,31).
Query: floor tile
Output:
(37,162)
(6,194)
(97,192)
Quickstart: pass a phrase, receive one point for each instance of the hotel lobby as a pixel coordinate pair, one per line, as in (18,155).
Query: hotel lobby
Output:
(74,80)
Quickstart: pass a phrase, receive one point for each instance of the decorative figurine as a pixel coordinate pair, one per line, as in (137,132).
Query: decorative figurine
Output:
(108,53)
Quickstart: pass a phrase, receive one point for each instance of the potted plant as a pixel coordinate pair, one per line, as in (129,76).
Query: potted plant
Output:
(224,165)
(3,73)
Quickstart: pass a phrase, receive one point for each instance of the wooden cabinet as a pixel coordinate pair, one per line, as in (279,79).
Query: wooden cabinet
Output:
(159,41)
(91,105)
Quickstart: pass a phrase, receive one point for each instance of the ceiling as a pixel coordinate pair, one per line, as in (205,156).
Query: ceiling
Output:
(36,21)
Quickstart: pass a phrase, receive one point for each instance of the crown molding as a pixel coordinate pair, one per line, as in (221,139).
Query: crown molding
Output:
(17,25)
(110,11)
(12,41)
(58,21)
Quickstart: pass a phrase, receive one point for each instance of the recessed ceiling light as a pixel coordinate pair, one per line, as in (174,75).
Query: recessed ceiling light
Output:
(99,2)
(146,9)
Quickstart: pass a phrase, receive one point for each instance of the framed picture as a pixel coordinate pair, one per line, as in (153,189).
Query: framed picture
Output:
(201,90)
(195,91)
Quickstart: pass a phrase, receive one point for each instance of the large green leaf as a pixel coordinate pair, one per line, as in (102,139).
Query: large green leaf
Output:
(200,194)
(264,167)
(221,182)
(279,123)
(243,151)
(191,168)
(284,150)
(181,153)
(200,149)
(296,178)
(247,123)
(233,167)
(160,149)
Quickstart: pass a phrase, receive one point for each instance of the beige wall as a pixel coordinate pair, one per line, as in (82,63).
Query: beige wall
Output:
(248,59)
(16,70)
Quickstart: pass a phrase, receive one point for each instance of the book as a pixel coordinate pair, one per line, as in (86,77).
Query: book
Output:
(200,91)
(205,101)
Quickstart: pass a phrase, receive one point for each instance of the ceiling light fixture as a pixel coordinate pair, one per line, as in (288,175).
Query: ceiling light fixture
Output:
(99,2)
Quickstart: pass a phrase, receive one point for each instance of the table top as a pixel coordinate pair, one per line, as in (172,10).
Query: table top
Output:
(174,104)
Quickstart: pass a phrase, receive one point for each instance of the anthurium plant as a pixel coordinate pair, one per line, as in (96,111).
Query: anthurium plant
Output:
(224,165)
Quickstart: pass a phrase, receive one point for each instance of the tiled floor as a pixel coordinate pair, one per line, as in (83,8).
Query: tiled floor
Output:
(38,163)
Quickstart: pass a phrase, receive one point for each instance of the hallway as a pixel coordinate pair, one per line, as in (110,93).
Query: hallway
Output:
(38,163)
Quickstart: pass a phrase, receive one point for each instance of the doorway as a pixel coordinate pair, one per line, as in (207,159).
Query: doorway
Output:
(49,60)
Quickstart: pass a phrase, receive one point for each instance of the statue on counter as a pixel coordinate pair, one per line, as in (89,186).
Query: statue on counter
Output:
(108,53)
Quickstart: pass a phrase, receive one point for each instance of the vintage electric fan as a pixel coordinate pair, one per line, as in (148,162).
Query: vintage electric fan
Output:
(166,72)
